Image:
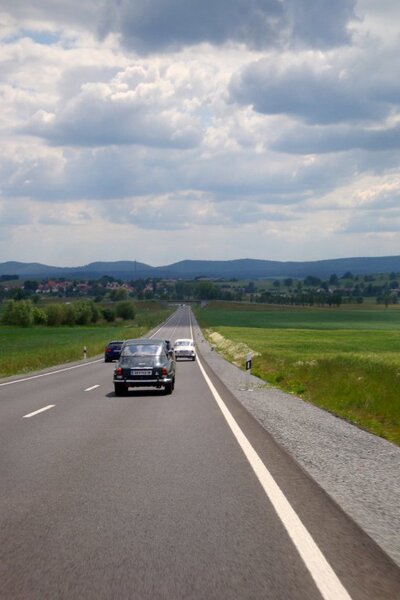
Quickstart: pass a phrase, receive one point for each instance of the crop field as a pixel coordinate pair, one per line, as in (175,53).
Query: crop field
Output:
(23,350)
(343,360)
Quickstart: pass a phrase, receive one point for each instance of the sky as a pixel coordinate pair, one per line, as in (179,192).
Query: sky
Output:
(163,130)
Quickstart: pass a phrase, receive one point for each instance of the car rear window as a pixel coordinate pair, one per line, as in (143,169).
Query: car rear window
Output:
(142,350)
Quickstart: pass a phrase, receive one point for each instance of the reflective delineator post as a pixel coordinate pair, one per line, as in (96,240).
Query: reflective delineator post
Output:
(247,387)
(84,353)
(248,371)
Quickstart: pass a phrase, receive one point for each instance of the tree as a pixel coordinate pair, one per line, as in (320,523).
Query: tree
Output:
(206,290)
(118,295)
(337,298)
(126,310)
(69,314)
(55,314)
(31,285)
(18,313)
(84,313)
(109,314)
(311,280)
(39,316)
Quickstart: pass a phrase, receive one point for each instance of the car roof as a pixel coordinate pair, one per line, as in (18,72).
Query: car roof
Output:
(145,341)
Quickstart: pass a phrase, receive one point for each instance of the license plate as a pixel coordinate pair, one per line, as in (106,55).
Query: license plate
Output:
(141,372)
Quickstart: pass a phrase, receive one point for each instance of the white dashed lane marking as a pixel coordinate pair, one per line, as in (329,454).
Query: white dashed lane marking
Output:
(32,414)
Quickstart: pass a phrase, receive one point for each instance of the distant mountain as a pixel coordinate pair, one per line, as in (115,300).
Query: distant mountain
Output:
(189,269)
(119,269)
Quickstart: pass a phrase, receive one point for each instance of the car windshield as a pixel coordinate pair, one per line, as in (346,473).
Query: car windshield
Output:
(142,350)
(183,343)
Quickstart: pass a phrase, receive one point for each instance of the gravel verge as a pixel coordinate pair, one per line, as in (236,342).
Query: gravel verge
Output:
(360,471)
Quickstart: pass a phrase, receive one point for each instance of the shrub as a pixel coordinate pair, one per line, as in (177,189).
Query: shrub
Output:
(95,312)
(109,314)
(55,314)
(69,314)
(39,316)
(18,312)
(126,310)
(83,312)
(119,294)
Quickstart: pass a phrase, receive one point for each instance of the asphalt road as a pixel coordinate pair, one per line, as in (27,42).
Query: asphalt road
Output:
(163,497)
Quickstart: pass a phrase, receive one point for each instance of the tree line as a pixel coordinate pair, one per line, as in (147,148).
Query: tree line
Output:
(25,313)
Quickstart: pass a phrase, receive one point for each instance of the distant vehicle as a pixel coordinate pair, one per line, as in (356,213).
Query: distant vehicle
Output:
(184,348)
(145,362)
(112,351)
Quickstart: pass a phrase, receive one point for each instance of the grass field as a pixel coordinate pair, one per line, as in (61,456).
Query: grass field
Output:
(345,361)
(23,350)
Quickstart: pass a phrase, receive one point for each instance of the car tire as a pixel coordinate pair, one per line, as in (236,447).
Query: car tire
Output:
(168,388)
(120,389)
(194,358)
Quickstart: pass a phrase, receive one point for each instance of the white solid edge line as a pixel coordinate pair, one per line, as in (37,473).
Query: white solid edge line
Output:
(32,414)
(92,362)
(92,388)
(325,578)
(320,570)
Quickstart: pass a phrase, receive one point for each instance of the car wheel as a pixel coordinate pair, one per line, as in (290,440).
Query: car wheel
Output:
(168,388)
(193,358)
(120,389)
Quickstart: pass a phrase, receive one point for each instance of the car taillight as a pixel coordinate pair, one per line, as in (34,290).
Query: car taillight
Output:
(164,372)
(118,371)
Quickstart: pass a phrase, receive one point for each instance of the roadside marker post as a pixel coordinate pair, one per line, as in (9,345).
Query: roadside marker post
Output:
(84,353)
(248,373)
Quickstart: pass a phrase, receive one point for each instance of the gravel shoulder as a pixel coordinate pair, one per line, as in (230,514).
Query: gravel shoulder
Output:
(360,471)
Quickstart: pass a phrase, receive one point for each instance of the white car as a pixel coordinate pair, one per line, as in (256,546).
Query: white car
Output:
(184,348)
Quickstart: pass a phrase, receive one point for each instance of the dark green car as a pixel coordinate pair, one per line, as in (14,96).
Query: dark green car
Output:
(145,362)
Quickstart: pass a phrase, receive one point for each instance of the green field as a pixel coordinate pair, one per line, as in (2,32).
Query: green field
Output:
(23,350)
(345,361)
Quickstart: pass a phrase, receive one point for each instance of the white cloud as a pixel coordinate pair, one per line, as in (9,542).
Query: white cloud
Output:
(258,128)
(343,86)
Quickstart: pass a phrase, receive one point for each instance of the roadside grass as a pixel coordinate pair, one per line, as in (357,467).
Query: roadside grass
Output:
(353,373)
(23,350)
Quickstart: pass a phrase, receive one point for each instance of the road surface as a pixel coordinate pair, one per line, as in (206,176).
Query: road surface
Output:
(162,497)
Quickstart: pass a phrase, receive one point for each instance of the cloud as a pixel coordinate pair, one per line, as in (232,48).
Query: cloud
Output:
(100,117)
(273,123)
(337,138)
(150,25)
(48,15)
(365,222)
(183,210)
(136,106)
(337,87)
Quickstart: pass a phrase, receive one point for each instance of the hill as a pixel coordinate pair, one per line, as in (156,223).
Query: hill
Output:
(189,269)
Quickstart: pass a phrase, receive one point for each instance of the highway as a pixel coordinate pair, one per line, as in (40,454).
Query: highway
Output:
(164,497)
